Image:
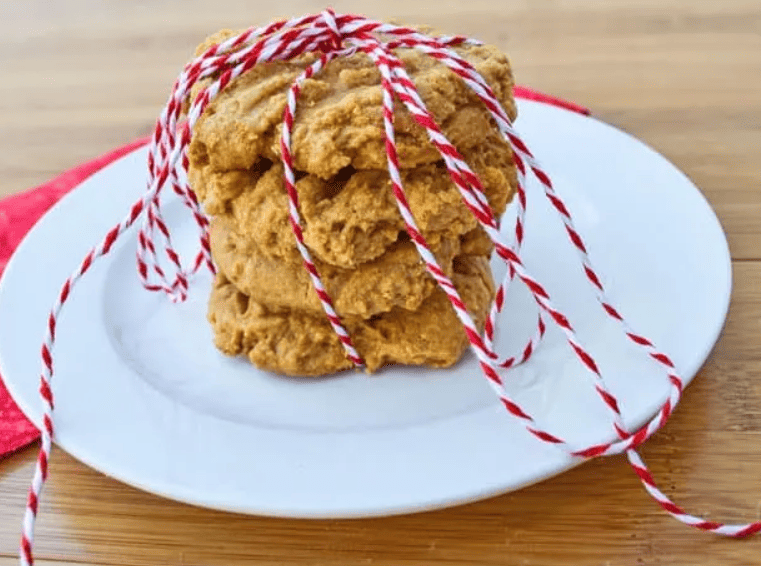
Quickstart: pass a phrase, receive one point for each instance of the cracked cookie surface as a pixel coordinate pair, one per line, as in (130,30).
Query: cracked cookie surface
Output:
(339,116)
(352,218)
(396,279)
(299,343)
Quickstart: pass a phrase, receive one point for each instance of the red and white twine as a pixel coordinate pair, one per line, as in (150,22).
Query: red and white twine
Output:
(161,268)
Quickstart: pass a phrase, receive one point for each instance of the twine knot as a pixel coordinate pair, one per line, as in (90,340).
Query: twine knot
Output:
(335,41)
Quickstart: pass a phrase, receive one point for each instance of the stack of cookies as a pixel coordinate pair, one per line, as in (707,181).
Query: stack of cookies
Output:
(263,304)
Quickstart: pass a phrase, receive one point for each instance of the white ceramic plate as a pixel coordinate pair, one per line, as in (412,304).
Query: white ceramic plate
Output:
(143,396)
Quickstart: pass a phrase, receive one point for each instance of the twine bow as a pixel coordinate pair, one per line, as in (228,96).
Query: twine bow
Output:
(331,36)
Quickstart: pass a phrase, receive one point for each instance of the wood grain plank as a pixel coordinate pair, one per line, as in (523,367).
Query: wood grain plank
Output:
(12,561)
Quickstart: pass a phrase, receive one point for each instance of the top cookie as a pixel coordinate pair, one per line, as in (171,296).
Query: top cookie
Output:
(339,113)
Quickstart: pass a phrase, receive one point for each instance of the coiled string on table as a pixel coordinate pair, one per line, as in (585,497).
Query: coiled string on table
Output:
(331,36)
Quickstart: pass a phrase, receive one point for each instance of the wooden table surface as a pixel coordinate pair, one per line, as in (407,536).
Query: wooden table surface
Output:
(82,76)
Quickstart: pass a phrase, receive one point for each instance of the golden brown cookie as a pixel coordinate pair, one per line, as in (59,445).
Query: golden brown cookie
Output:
(339,117)
(299,343)
(398,278)
(263,304)
(352,218)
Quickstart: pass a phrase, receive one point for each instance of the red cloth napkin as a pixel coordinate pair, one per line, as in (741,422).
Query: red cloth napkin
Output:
(18,214)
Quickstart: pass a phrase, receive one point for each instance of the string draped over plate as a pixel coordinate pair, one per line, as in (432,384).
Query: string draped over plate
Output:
(330,36)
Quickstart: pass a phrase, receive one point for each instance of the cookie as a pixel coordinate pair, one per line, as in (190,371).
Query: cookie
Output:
(339,114)
(263,304)
(353,218)
(295,342)
(397,279)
